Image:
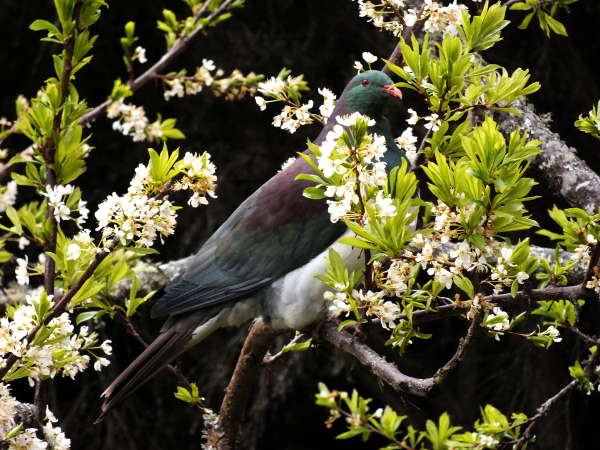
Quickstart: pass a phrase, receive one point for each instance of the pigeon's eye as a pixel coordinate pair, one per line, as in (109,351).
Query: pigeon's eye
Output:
(365,82)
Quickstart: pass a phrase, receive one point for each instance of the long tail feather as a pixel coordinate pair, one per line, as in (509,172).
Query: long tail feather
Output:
(174,340)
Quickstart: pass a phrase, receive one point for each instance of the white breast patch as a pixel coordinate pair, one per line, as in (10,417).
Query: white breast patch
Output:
(295,300)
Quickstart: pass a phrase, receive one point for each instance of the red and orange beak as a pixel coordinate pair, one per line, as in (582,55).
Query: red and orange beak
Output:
(393,91)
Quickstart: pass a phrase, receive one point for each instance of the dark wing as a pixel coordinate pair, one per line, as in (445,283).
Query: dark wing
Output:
(274,231)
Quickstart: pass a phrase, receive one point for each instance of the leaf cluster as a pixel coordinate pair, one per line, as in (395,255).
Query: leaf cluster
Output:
(489,430)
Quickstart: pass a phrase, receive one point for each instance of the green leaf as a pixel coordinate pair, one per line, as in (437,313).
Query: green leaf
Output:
(87,315)
(44,25)
(297,347)
(465,285)
(355,242)
(314,193)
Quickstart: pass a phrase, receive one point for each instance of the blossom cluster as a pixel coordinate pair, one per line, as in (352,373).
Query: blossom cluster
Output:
(57,199)
(27,439)
(236,85)
(135,217)
(394,15)
(198,177)
(407,142)
(133,122)
(350,169)
(372,303)
(61,352)
(286,88)
(500,272)
(142,215)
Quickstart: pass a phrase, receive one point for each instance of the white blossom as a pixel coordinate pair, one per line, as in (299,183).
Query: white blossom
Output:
(140,54)
(261,102)
(21,271)
(339,304)
(328,103)
(8,195)
(414,118)
(73,251)
(407,140)
(521,277)
(100,362)
(385,206)
(594,284)
(23,242)
(553,332)
(433,122)
(351,119)
(369,58)
(176,88)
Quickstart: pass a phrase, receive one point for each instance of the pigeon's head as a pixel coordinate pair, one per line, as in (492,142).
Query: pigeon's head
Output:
(369,91)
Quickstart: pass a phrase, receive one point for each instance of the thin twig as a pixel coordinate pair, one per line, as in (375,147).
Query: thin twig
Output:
(179,45)
(589,368)
(593,265)
(584,336)
(442,373)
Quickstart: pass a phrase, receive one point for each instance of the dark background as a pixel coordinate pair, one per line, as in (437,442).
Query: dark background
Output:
(321,40)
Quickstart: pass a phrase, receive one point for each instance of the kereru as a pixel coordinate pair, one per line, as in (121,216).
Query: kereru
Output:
(263,259)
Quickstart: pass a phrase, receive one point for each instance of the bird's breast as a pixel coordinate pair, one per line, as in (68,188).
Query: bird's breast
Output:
(295,300)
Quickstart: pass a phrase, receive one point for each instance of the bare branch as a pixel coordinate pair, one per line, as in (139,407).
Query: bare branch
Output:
(376,363)
(542,411)
(593,265)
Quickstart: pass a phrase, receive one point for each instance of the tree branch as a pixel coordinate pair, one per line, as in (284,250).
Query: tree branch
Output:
(544,409)
(563,171)
(376,363)
(242,382)
(388,371)
(442,373)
